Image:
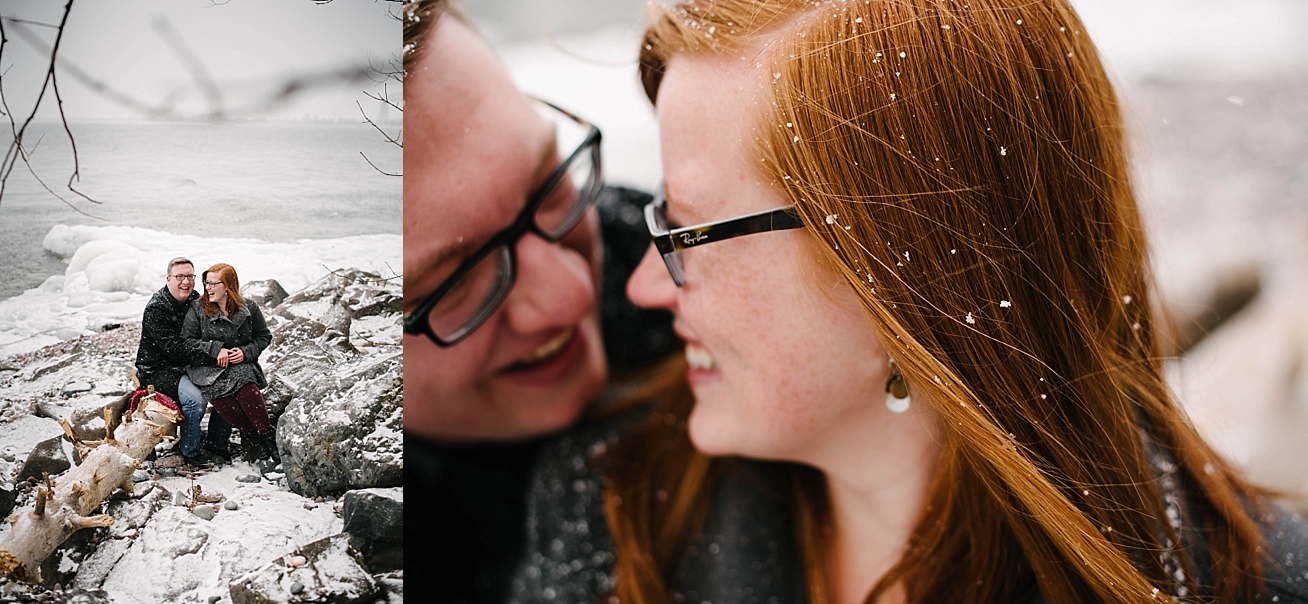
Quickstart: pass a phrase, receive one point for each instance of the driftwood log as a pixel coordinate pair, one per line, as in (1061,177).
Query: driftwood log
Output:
(61,507)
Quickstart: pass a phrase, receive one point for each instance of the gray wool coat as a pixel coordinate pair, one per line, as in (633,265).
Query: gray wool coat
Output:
(207,336)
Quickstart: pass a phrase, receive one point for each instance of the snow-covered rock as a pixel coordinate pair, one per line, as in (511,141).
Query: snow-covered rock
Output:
(328,571)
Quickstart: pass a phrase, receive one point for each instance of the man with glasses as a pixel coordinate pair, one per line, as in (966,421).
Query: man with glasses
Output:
(502,298)
(162,359)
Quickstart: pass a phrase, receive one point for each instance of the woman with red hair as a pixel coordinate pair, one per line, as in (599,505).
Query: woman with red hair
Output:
(229,333)
(900,241)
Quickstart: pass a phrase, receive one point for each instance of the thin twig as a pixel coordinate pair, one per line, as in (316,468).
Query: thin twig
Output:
(59,102)
(28,22)
(374,166)
(56,195)
(368,120)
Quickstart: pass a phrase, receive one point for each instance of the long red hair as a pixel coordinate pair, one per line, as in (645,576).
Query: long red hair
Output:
(231,283)
(985,137)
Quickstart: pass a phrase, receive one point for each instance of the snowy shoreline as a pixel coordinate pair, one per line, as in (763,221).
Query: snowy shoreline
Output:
(113,270)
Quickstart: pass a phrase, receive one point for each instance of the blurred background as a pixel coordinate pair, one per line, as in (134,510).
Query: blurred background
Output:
(1216,98)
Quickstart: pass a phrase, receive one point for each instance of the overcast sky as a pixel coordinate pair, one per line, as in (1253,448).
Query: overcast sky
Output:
(249,48)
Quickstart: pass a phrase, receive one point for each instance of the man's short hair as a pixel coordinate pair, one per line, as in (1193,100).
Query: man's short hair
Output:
(176,261)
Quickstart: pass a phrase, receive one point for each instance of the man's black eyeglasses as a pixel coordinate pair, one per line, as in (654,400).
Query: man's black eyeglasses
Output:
(670,239)
(477,287)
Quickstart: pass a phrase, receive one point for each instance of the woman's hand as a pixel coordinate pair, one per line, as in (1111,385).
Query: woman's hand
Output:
(236,355)
(224,356)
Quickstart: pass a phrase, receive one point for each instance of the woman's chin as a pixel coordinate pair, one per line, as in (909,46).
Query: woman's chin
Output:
(711,435)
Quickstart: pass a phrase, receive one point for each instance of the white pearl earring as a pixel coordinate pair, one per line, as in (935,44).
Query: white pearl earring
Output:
(897,397)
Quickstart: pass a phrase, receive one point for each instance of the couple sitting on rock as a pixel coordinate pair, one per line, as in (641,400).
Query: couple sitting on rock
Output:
(204,349)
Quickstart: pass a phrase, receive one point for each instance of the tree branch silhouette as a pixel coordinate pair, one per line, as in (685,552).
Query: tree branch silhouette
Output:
(267,95)
(16,152)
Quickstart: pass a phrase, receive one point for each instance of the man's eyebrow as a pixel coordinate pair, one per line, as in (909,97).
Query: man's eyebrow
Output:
(543,167)
(461,248)
(467,246)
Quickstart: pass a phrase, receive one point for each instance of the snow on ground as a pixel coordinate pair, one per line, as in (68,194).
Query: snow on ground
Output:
(179,557)
(113,270)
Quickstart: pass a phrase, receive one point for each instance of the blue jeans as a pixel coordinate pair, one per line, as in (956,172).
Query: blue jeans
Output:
(193,404)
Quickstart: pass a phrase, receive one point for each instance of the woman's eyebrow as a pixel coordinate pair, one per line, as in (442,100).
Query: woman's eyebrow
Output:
(673,203)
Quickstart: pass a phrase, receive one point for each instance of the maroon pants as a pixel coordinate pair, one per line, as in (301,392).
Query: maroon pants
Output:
(246,411)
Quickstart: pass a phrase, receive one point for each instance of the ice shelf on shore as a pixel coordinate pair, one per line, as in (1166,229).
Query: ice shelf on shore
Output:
(113,270)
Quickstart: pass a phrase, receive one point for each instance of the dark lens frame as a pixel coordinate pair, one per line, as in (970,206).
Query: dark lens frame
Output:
(671,241)
(417,322)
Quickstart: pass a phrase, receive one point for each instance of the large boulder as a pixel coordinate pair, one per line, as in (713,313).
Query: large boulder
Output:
(345,430)
(374,518)
(327,570)
(298,368)
(267,293)
(48,456)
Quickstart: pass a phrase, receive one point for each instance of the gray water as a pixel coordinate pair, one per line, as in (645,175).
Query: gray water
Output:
(275,181)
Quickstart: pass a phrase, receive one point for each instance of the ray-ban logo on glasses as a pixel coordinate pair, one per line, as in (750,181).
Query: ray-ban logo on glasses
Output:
(693,238)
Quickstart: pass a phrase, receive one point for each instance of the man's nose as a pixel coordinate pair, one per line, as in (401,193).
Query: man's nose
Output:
(651,286)
(555,287)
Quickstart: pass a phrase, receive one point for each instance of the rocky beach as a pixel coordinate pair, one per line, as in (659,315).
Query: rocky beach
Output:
(325,525)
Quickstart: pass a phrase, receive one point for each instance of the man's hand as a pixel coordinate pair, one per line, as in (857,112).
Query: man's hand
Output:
(224,356)
(236,355)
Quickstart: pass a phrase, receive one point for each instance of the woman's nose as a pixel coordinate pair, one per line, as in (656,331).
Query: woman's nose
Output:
(651,285)
(555,287)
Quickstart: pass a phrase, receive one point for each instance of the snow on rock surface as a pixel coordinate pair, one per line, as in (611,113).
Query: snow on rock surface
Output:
(159,550)
(328,571)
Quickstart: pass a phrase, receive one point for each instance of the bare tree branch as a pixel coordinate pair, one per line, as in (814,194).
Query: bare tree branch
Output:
(383,97)
(367,120)
(374,166)
(16,151)
(29,22)
(56,195)
(191,62)
(219,107)
(99,87)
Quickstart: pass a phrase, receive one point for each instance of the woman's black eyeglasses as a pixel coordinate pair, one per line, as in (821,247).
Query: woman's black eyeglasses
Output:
(477,287)
(671,239)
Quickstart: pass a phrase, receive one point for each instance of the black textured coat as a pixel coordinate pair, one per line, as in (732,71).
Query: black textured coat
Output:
(162,356)
(469,524)
(745,552)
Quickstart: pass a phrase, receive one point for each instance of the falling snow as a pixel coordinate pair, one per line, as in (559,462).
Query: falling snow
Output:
(1004,304)
(969,319)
